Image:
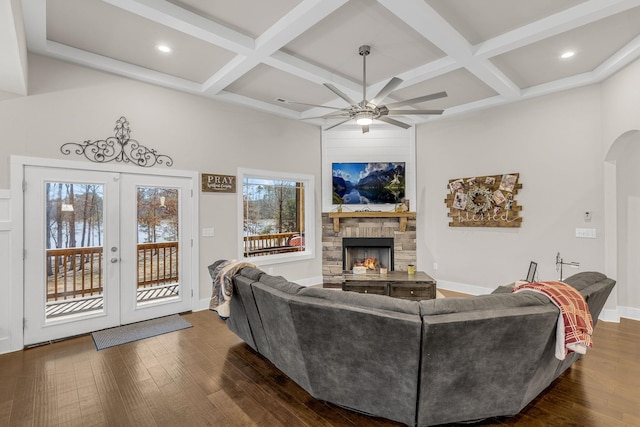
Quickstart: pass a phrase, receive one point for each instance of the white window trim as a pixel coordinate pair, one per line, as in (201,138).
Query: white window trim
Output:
(309,215)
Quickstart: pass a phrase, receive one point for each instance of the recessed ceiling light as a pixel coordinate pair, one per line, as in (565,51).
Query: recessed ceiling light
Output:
(568,54)
(163,48)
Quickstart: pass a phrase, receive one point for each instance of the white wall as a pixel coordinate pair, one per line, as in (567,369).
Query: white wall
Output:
(554,142)
(620,104)
(68,103)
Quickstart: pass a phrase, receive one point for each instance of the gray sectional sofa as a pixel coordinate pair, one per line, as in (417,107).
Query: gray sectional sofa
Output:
(420,363)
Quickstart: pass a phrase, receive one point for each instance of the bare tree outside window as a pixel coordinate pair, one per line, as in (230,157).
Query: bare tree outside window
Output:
(273,216)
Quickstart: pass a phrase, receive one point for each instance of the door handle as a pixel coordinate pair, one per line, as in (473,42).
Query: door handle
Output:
(114,260)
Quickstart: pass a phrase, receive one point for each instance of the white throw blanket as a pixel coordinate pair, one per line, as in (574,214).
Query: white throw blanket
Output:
(222,276)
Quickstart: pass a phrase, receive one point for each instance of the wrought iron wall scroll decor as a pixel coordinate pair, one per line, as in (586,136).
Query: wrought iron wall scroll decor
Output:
(120,148)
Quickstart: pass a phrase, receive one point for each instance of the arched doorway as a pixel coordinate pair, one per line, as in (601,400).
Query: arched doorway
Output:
(622,230)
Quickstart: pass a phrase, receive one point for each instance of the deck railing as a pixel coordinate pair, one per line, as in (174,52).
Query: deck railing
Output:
(157,264)
(265,244)
(77,272)
(74,272)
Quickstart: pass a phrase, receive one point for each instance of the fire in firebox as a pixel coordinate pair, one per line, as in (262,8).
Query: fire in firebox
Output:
(370,263)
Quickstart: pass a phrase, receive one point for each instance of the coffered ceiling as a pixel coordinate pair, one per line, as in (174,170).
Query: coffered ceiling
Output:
(483,53)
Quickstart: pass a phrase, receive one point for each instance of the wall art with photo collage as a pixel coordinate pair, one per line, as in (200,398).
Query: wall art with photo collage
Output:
(484,201)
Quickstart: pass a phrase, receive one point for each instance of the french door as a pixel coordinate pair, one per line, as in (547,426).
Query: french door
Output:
(103,249)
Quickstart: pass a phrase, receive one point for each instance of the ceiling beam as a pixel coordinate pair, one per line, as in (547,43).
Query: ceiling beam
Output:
(13,45)
(299,19)
(428,23)
(106,64)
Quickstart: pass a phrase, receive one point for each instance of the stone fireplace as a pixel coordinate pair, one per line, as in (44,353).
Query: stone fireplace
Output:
(402,243)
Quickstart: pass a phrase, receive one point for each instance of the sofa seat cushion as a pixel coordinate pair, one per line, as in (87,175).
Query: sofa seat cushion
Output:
(482,302)
(281,284)
(376,302)
(251,273)
(585,279)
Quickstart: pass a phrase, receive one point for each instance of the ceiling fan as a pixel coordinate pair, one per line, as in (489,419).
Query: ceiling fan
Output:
(365,111)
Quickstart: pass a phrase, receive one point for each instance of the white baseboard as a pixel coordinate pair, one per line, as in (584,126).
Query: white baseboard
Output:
(309,281)
(610,315)
(629,312)
(463,288)
(5,345)
(201,304)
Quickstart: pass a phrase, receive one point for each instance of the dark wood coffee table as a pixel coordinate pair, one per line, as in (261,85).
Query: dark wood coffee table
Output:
(397,284)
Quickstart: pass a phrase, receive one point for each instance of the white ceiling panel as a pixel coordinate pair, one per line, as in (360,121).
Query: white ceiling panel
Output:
(593,44)
(265,84)
(483,53)
(461,86)
(111,32)
(478,21)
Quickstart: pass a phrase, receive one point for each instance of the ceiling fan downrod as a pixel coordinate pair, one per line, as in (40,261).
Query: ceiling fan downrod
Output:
(364,50)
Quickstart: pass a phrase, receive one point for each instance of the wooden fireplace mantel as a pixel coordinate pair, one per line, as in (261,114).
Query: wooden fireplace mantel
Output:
(402,217)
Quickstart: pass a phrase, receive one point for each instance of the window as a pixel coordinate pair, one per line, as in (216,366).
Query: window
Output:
(277,223)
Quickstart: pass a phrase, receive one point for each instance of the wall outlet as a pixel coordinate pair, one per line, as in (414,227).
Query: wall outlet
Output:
(435,265)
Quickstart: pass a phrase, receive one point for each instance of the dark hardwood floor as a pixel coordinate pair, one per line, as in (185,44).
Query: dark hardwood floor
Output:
(206,376)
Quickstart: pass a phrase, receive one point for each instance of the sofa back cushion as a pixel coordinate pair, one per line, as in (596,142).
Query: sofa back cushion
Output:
(280,331)
(245,318)
(361,351)
(486,358)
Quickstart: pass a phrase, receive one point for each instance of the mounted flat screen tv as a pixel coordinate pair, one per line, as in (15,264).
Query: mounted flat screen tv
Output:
(368,183)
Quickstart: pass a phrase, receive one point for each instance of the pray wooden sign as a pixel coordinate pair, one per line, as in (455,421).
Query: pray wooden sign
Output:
(212,183)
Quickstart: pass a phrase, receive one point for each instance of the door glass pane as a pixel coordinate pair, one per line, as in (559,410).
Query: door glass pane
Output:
(157,238)
(74,252)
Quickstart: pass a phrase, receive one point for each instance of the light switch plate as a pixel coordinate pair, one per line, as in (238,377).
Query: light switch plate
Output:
(208,232)
(586,233)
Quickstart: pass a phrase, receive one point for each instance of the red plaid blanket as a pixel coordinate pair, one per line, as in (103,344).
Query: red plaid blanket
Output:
(575,324)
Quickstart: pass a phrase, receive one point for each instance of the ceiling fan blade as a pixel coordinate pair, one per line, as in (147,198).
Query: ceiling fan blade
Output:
(386,90)
(330,116)
(342,95)
(418,100)
(410,112)
(338,124)
(365,128)
(285,101)
(394,122)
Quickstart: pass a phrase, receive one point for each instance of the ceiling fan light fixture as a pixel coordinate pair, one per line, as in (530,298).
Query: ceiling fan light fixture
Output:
(364,118)
(368,110)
